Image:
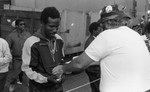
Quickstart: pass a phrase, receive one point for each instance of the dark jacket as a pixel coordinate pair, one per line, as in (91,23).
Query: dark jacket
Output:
(41,59)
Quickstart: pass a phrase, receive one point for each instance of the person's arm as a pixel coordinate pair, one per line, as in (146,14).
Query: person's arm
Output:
(10,43)
(97,50)
(7,57)
(9,40)
(79,63)
(27,59)
(87,43)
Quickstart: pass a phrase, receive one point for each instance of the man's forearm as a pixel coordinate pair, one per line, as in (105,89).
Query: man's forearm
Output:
(74,65)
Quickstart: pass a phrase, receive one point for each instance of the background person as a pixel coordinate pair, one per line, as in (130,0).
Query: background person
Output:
(147,35)
(16,40)
(123,55)
(93,71)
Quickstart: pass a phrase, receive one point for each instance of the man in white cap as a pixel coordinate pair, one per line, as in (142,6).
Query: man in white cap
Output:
(124,57)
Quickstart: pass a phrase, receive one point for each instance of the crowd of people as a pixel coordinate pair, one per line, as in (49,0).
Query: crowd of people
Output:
(115,55)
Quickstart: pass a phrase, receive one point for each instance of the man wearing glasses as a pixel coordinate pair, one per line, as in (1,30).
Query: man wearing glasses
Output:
(16,40)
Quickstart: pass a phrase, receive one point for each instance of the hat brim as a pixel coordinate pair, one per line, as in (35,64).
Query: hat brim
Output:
(123,15)
(114,15)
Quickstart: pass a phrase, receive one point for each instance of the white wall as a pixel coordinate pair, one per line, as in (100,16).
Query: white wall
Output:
(82,5)
(77,5)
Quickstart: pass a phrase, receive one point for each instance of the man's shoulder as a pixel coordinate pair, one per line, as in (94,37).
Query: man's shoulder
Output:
(113,31)
(2,40)
(58,37)
(13,32)
(26,31)
(31,40)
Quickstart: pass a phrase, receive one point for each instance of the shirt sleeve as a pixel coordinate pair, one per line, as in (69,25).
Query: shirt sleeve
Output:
(9,40)
(62,41)
(26,57)
(98,49)
(7,57)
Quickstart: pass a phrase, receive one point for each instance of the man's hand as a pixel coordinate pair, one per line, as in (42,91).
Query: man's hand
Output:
(58,70)
(52,79)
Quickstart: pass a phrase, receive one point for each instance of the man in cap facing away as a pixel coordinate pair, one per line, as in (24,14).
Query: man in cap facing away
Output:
(123,55)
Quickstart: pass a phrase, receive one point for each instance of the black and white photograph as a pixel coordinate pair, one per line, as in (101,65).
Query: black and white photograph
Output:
(74,45)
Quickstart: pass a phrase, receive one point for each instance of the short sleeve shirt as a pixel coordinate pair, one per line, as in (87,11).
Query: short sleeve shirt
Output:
(125,60)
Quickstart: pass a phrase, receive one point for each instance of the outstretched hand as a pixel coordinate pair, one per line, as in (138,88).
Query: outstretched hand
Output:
(58,70)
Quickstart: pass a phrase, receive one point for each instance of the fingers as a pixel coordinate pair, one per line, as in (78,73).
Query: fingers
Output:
(55,70)
(58,70)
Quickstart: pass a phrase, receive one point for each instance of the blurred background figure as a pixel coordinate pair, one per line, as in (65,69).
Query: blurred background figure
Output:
(147,35)
(16,40)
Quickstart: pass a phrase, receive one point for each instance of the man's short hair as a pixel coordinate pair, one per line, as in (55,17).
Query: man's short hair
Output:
(49,12)
(93,26)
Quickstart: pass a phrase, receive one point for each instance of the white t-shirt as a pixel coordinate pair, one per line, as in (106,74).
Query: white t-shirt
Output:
(125,60)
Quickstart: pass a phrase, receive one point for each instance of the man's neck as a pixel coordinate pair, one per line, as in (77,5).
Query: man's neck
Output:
(50,38)
(19,31)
